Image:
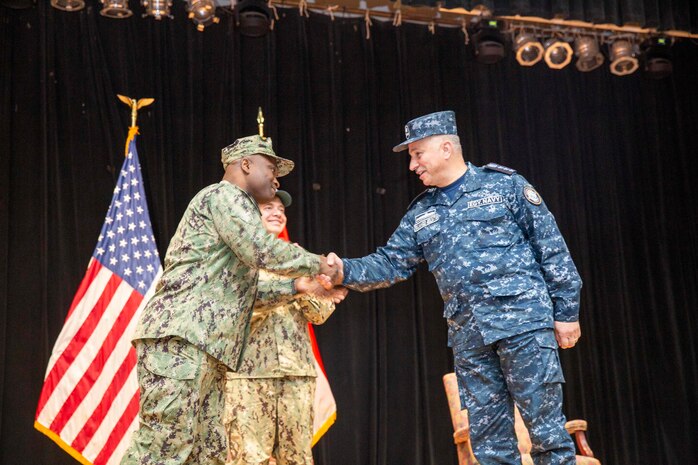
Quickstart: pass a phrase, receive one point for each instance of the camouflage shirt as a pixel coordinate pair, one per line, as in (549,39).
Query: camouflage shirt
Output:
(499,260)
(208,287)
(279,344)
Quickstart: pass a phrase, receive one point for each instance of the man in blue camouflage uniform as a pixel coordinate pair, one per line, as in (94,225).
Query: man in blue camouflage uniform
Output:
(509,286)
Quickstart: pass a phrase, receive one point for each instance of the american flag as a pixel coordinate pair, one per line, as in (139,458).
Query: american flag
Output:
(89,401)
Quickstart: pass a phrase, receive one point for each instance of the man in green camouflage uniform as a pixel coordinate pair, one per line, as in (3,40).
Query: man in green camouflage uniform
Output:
(193,329)
(269,400)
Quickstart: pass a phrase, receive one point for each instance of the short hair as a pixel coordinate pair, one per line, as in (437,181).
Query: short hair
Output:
(454,140)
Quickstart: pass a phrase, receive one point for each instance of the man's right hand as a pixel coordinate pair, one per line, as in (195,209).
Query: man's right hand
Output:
(331,271)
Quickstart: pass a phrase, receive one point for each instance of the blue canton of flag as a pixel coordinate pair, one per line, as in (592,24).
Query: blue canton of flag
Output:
(126,244)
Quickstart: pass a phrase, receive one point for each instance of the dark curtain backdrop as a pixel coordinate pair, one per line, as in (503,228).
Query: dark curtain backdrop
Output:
(615,159)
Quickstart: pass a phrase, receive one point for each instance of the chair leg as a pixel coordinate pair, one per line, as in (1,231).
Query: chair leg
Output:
(459,418)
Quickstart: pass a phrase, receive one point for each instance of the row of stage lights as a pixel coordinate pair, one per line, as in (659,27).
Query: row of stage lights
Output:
(626,52)
(201,12)
(558,47)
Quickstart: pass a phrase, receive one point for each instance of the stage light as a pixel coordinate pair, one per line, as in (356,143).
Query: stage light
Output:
(529,50)
(68,5)
(202,13)
(488,42)
(623,59)
(558,53)
(656,58)
(588,55)
(157,8)
(117,9)
(253,17)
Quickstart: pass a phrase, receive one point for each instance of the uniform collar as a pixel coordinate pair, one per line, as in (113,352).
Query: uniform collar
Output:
(471,182)
(472,179)
(244,192)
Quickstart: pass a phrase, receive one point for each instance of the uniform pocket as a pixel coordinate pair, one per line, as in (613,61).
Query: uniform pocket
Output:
(491,226)
(426,235)
(429,240)
(168,365)
(547,346)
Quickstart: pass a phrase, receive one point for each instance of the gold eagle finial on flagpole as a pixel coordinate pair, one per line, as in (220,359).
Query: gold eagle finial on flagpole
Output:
(260,123)
(135,105)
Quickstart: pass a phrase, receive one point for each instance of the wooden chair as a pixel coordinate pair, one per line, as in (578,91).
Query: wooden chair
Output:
(461,436)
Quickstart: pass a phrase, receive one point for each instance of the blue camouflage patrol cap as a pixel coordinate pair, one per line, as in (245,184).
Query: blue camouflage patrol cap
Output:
(433,124)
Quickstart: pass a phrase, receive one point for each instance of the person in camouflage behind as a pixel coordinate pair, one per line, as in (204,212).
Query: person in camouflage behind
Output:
(193,329)
(510,289)
(269,400)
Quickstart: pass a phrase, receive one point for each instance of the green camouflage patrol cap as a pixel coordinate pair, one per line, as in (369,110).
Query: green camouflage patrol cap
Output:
(255,145)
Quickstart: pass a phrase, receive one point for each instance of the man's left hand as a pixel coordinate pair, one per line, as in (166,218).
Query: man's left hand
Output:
(567,334)
(311,287)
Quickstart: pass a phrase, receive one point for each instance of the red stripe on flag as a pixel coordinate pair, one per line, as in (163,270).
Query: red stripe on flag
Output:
(92,269)
(82,388)
(78,342)
(120,429)
(92,424)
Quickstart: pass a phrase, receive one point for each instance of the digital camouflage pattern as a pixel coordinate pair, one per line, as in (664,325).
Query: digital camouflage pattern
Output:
(208,287)
(503,269)
(278,343)
(524,369)
(500,262)
(433,124)
(255,145)
(181,402)
(270,417)
(278,347)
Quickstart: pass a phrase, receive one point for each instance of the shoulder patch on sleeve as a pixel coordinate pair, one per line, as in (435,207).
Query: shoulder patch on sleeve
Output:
(422,194)
(532,195)
(500,168)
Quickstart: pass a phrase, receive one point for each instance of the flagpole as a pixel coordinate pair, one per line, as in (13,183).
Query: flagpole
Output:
(89,400)
(134,105)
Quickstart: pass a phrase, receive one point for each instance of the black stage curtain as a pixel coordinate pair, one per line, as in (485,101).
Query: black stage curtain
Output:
(615,159)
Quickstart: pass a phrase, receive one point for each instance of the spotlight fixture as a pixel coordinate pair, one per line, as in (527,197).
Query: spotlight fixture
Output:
(558,53)
(623,61)
(157,8)
(202,13)
(488,41)
(253,17)
(529,50)
(68,5)
(117,9)
(588,55)
(656,57)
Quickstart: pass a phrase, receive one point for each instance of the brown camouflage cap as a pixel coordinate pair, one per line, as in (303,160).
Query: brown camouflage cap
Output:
(255,145)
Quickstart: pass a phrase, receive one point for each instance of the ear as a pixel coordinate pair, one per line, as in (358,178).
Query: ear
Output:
(246,165)
(447,147)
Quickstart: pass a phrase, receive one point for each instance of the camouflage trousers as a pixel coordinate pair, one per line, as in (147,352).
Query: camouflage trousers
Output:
(523,369)
(270,417)
(181,405)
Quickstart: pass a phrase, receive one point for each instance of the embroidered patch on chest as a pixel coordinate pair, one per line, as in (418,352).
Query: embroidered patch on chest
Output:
(425,219)
(489,200)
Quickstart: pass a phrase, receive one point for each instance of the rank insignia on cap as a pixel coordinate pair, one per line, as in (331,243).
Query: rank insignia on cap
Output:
(532,196)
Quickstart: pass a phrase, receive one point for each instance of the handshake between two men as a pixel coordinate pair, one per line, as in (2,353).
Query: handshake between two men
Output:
(328,282)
